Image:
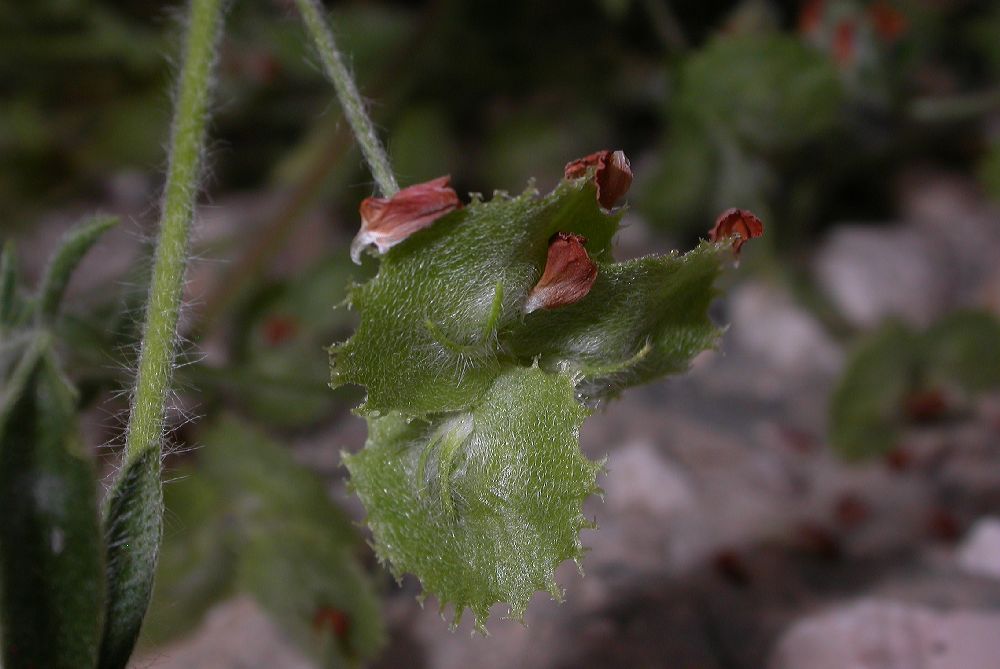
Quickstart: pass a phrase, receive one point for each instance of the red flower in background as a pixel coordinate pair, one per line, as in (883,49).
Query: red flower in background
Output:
(844,42)
(889,22)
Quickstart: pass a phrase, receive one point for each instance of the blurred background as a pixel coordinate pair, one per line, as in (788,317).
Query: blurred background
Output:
(821,492)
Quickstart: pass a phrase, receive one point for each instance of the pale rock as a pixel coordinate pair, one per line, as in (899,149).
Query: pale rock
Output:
(235,633)
(769,325)
(872,274)
(880,634)
(980,552)
(639,479)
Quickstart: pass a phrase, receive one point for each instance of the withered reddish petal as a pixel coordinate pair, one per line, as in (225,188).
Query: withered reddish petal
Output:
(614,179)
(568,276)
(738,223)
(386,222)
(612,174)
(578,168)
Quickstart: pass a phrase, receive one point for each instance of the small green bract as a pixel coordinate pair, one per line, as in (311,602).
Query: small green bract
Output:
(472,475)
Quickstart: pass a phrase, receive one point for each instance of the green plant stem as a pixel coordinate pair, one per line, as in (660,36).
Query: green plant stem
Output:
(134,507)
(156,359)
(347,92)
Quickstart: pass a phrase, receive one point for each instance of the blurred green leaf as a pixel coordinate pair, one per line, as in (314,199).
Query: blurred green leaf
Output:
(51,553)
(866,406)
(989,171)
(9,302)
(964,349)
(278,373)
(197,557)
(422,146)
(249,518)
(771,90)
(68,255)
(897,370)
(676,193)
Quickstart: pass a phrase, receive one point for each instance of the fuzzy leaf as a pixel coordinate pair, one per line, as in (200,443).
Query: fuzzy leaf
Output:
(69,254)
(427,341)
(642,319)
(472,475)
(133,526)
(482,505)
(51,572)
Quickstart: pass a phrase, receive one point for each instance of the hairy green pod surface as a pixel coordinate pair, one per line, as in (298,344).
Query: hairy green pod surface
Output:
(51,554)
(472,475)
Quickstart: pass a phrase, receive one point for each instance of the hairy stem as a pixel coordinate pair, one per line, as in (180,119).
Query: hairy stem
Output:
(134,507)
(158,339)
(347,93)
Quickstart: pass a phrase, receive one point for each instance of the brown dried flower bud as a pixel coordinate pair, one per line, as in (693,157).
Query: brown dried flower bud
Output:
(613,175)
(386,222)
(738,223)
(568,276)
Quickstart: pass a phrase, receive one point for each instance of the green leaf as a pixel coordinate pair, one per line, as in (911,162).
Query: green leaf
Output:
(678,193)
(771,90)
(51,571)
(481,505)
(427,339)
(249,518)
(472,475)
(8,286)
(283,331)
(312,585)
(643,319)
(957,357)
(866,405)
(989,169)
(71,251)
(196,565)
(133,526)
(964,348)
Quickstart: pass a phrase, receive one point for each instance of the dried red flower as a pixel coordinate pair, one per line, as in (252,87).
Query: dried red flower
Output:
(738,223)
(568,276)
(386,222)
(613,175)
